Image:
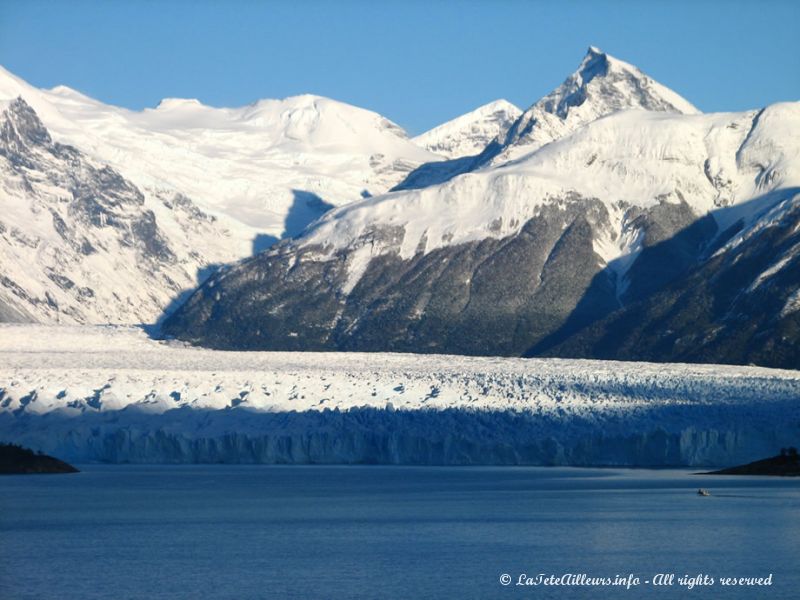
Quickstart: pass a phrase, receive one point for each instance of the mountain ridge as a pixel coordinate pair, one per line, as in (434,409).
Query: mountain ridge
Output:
(601,85)
(496,260)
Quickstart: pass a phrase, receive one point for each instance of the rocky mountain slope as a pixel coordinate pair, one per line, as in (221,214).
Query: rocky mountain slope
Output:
(80,243)
(586,218)
(740,306)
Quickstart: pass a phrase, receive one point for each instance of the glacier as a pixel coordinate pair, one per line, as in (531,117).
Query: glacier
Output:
(112,394)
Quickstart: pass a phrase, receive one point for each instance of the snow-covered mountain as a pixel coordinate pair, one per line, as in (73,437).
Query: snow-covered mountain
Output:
(470,133)
(113,395)
(589,217)
(253,163)
(80,243)
(107,215)
(602,85)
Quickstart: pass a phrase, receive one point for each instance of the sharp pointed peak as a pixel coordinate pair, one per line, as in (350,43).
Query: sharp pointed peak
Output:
(601,85)
(19,105)
(604,71)
(596,62)
(593,53)
(26,122)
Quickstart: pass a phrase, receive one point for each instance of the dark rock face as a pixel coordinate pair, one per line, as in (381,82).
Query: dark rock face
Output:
(101,197)
(9,314)
(740,306)
(674,241)
(489,297)
(18,133)
(495,296)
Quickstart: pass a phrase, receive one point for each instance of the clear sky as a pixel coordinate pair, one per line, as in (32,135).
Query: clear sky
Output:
(418,62)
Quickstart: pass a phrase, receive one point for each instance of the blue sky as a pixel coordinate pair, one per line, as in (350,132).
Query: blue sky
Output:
(417,62)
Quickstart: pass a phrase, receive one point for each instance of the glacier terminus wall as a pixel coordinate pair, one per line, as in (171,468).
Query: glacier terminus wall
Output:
(111,394)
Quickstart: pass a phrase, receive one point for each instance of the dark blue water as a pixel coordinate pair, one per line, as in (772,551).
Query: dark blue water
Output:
(388,532)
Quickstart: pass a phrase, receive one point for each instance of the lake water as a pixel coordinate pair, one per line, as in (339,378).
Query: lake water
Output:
(248,532)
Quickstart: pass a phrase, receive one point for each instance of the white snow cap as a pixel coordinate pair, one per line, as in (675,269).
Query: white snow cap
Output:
(468,134)
(169,103)
(245,163)
(601,85)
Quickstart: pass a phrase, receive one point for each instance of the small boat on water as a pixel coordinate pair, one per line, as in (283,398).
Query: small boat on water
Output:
(703,492)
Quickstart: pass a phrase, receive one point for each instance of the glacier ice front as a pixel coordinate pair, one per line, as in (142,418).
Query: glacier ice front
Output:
(111,394)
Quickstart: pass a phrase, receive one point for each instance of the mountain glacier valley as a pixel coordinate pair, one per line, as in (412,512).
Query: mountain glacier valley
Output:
(608,277)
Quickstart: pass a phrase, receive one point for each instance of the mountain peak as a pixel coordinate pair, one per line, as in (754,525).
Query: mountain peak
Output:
(614,85)
(500,103)
(593,55)
(594,64)
(601,85)
(65,90)
(468,134)
(26,122)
